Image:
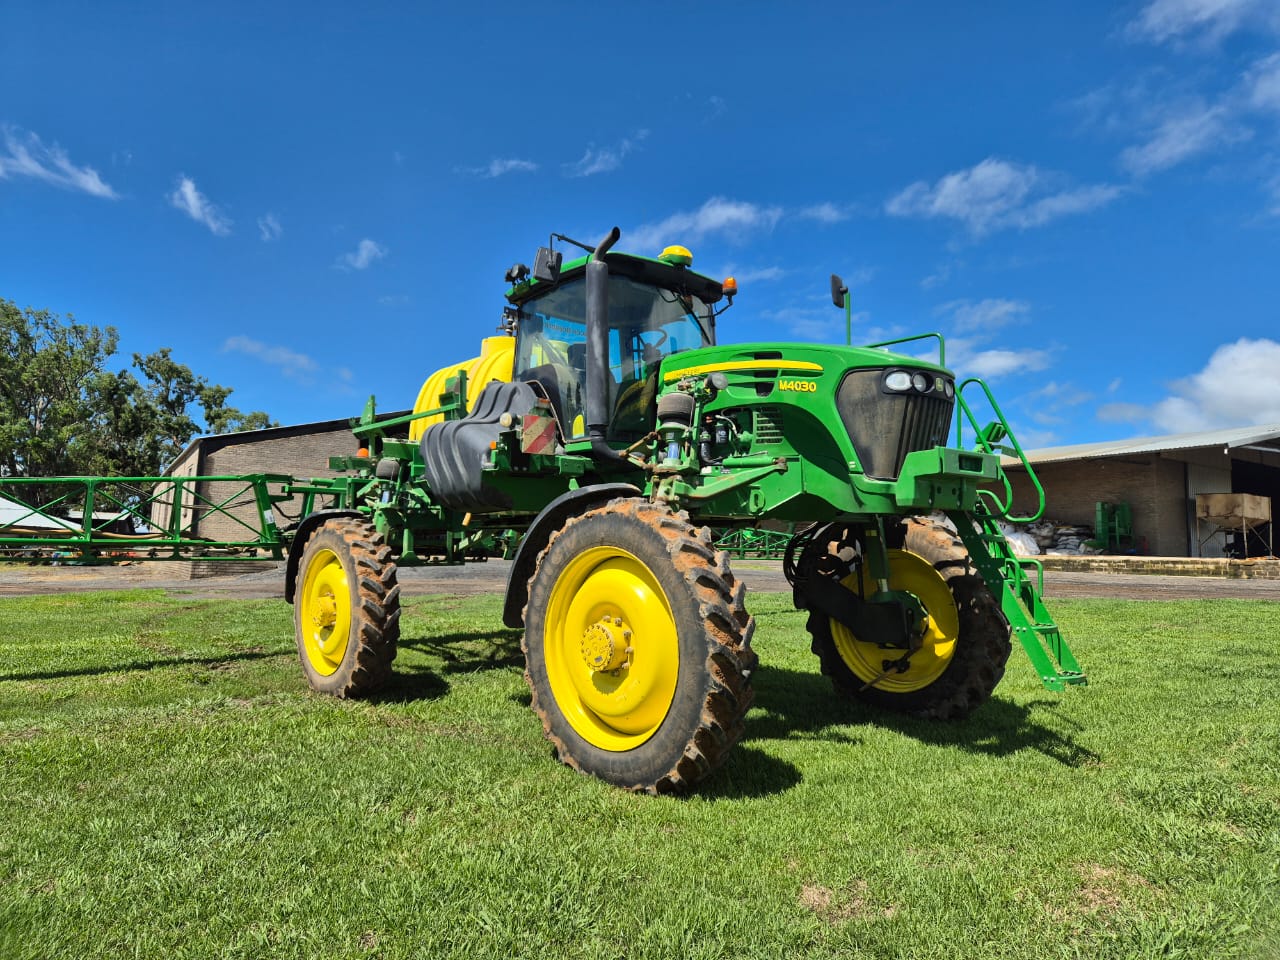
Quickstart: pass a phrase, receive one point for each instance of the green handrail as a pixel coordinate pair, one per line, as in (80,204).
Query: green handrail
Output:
(942,344)
(989,438)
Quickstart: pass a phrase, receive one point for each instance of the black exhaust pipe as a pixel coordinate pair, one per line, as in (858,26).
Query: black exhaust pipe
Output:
(598,351)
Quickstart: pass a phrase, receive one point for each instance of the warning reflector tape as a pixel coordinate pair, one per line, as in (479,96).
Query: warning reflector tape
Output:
(537,434)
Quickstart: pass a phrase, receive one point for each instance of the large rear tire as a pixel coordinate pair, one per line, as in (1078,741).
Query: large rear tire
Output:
(965,646)
(637,647)
(346,613)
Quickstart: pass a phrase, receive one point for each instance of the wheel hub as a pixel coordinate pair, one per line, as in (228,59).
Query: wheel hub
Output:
(606,645)
(326,611)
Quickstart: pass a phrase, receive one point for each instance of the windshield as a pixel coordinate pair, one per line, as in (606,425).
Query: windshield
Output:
(646,323)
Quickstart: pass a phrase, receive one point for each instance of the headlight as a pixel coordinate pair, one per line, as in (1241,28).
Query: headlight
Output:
(898,381)
(948,388)
(920,382)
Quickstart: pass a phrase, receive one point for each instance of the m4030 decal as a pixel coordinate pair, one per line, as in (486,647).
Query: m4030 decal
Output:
(799,386)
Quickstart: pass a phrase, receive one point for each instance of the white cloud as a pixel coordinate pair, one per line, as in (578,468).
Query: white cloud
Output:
(825,212)
(1053,404)
(822,324)
(748,275)
(297,366)
(969,359)
(1262,82)
(365,253)
(938,277)
(1031,438)
(604,160)
(1121,412)
(269,227)
(1164,20)
(970,354)
(196,205)
(28,156)
(1061,394)
(987,192)
(1273,187)
(1182,133)
(997,194)
(1237,387)
(984,314)
(1067,202)
(499,167)
(733,219)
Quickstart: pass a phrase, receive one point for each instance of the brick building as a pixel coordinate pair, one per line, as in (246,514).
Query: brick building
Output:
(1159,478)
(301,450)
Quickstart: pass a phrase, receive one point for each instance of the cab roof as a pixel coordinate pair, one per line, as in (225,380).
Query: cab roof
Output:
(646,270)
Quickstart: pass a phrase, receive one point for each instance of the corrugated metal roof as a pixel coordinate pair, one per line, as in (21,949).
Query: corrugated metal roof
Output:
(17,514)
(1263,434)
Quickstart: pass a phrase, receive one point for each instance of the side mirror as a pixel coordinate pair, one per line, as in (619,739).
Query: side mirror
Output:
(546,266)
(838,290)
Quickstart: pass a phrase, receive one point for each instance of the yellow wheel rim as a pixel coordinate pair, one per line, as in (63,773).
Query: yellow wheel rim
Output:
(912,574)
(611,648)
(325,612)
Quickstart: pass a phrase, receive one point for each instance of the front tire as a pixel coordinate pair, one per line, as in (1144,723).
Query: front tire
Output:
(346,614)
(637,647)
(965,648)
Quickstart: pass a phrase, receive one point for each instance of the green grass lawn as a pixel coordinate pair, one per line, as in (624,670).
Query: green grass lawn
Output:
(168,788)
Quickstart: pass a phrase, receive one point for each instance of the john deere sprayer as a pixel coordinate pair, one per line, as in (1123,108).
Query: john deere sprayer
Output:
(607,435)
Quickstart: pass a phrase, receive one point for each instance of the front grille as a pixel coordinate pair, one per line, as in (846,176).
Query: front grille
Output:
(768,425)
(885,427)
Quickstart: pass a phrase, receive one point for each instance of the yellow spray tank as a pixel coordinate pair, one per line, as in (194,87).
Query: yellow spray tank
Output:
(494,363)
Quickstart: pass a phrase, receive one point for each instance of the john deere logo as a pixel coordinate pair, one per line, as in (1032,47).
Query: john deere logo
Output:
(800,386)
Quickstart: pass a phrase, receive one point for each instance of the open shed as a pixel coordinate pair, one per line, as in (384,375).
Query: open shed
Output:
(1159,477)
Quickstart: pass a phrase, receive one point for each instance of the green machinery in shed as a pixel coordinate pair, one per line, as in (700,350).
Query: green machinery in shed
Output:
(623,436)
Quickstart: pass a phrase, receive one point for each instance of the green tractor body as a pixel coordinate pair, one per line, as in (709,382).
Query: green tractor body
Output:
(626,433)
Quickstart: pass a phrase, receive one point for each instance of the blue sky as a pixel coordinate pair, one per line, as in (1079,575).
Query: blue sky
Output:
(314,203)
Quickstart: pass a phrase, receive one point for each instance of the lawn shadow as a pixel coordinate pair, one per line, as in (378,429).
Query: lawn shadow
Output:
(470,652)
(750,772)
(410,684)
(144,665)
(791,702)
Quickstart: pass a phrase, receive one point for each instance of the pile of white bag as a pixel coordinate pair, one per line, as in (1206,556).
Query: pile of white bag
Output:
(1042,537)
(1070,541)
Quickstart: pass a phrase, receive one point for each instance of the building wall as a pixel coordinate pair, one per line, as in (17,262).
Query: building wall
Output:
(302,455)
(187,465)
(1153,486)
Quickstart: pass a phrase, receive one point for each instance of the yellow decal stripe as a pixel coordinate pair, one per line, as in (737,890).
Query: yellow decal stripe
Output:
(790,366)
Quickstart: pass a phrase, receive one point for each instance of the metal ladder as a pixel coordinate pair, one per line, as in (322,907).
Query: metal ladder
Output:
(1006,577)
(1005,573)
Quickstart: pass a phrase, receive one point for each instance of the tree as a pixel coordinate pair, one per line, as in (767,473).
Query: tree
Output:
(63,412)
(46,368)
(141,424)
